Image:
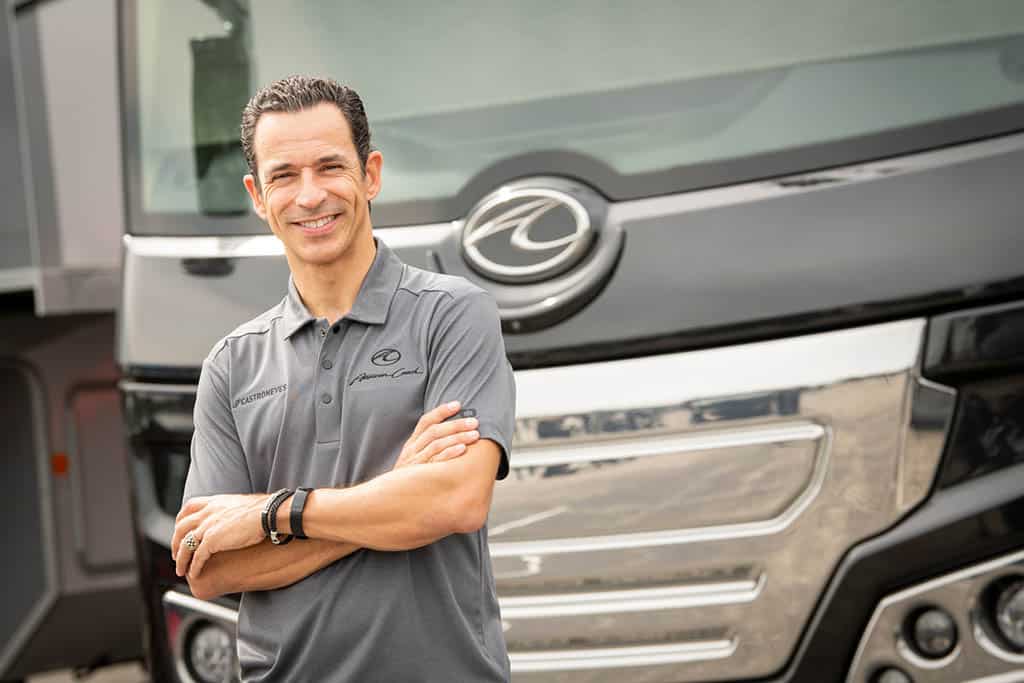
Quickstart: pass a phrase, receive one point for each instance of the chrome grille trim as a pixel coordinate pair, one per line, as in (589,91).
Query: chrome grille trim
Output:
(620,657)
(804,431)
(609,602)
(248,246)
(543,456)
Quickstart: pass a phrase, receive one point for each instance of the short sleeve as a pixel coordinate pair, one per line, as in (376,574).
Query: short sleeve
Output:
(218,460)
(468,364)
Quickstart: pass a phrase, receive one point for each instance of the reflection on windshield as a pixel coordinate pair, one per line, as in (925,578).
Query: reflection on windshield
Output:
(454,89)
(220,88)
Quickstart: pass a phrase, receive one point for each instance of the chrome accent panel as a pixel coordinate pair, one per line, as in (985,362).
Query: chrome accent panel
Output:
(620,657)
(609,602)
(931,407)
(784,468)
(978,657)
(627,517)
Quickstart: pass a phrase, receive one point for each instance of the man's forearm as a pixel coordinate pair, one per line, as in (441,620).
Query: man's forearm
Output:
(266,566)
(405,508)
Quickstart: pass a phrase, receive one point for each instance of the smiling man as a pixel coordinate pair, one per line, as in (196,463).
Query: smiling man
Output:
(389,578)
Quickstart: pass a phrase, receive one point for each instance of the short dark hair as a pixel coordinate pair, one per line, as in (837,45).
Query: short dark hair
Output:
(296,93)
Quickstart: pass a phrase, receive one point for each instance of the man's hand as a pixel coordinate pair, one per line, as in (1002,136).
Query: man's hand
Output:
(435,440)
(218,523)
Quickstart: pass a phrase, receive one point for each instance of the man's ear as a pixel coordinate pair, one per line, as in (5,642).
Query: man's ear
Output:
(256,195)
(371,176)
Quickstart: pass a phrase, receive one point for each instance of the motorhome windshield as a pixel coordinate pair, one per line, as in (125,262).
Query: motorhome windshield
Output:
(462,95)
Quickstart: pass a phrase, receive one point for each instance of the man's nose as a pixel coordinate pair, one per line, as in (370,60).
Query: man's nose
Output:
(311,195)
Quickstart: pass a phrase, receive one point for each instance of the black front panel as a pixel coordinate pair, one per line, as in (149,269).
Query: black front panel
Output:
(980,352)
(988,433)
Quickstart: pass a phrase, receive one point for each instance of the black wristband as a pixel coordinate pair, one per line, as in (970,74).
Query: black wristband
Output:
(295,515)
(265,513)
(272,507)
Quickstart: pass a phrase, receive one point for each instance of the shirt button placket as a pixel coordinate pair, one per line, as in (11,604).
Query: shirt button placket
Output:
(328,410)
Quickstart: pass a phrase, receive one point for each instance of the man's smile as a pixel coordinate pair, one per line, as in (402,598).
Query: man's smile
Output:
(317,226)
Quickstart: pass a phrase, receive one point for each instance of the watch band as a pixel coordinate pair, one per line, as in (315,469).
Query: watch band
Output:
(298,507)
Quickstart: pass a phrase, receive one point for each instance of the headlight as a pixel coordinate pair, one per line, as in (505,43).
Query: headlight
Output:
(210,653)
(1010,614)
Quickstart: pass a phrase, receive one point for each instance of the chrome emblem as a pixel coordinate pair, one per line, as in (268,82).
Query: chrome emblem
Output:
(526,234)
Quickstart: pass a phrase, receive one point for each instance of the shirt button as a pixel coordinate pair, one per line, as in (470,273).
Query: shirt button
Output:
(323,331)
(327,364)
(326,398)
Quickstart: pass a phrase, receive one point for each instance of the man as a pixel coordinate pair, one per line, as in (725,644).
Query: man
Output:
(325,390)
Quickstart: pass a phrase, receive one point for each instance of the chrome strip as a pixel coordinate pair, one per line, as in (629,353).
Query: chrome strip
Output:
(678,536)
(815,360)
(603,658)
(958,593)
(641,600)
(243,246)
(129,386)
(930,417)
(207,609)
(800,183)
(667,444)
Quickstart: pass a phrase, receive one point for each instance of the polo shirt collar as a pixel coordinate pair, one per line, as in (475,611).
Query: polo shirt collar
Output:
(372,302)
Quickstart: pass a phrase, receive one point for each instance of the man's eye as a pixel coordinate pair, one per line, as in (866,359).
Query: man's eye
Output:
(280,176)
(333,167)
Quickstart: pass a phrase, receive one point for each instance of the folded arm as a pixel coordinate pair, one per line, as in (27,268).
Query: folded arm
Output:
(264,567)
(233,557)
(409,507)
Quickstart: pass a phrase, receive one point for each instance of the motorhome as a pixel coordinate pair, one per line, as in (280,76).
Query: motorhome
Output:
(766,325)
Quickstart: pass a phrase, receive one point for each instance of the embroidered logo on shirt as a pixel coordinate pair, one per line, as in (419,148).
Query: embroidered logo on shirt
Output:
(386,357)
(393,374)
(259,395)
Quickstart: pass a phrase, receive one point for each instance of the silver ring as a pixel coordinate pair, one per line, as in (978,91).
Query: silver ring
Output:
(190,541)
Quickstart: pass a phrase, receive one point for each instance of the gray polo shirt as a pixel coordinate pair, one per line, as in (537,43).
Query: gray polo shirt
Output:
(288,400)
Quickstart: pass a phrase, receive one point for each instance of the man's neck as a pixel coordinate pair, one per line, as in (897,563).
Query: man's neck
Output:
(330,290)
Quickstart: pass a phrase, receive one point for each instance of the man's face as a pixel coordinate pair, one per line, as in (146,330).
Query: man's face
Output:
(313,193)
